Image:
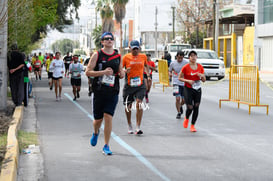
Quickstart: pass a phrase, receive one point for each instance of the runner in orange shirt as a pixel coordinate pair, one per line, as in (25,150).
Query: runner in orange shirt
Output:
(134,88)
(192,74)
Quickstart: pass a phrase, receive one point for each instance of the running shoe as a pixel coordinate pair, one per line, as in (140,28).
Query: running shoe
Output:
(178,116)
(60,98)
(181,110)
(50,88)
(193,128)
(57,99)
(74,99)
(138,132)
(89,93)
(106,150)
(130,130)
(94,139)
(186,122)
(78,94)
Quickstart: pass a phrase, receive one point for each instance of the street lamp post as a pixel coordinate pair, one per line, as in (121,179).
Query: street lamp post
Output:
(156,52)
(173,9)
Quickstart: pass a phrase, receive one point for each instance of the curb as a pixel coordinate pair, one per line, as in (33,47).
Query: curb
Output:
(10,162)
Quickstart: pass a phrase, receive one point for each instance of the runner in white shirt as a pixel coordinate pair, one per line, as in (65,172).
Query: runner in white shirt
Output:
(76,69)
(57,65)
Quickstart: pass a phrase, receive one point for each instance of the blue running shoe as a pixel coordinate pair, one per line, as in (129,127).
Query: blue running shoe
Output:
(106,150)
(94,139)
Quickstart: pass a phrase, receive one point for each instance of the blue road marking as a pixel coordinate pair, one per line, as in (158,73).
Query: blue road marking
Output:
(124,144)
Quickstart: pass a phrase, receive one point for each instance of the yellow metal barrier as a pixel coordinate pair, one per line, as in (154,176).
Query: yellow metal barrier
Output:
(163,73)
(244,86)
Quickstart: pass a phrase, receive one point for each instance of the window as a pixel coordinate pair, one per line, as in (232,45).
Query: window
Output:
(268,11)
(206,55)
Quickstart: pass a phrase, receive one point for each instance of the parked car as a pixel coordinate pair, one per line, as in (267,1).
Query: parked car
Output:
(85,63)
(213,66)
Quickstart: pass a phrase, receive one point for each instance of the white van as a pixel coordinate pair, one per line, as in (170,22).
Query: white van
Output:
(172,48)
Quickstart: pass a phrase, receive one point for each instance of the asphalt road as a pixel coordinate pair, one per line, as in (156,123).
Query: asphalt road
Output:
(229,143)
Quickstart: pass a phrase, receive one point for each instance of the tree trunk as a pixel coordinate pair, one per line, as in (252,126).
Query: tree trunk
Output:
(121,39)
(3,54)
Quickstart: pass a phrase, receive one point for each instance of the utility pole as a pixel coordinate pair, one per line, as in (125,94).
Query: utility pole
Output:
(215,25)
(3,53)
(156,24)
(173,8)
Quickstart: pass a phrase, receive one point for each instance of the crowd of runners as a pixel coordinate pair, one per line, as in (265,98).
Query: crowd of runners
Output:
(104,70)
(107,66)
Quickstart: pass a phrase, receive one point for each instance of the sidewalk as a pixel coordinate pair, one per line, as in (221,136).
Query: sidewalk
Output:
(267,78)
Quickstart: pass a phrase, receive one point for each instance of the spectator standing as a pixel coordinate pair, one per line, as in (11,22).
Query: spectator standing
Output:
(16,75)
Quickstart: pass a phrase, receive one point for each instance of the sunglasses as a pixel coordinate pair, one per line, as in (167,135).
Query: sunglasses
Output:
(108,38)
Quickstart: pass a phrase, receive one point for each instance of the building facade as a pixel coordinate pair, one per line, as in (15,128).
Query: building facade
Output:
(263,44)
(140,23)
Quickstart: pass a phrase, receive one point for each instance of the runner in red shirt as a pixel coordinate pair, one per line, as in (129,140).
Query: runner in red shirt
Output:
(37,67)
(192,74)
(148,82)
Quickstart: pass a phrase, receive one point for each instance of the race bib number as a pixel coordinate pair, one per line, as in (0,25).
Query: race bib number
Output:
(176,89)
(135,81)
(37,64)
(196,85)
(75,74)
(108,80)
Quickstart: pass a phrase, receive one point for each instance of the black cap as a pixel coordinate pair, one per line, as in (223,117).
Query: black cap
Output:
(179,52)
(192,51)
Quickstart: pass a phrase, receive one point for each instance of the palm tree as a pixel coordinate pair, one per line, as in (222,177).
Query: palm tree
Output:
(120,11)
(106,13)
(96,34)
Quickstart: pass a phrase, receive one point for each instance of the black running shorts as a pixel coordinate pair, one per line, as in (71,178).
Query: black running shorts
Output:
(132,93)
(75,82)
(192,96)
(104,104)
(49,75)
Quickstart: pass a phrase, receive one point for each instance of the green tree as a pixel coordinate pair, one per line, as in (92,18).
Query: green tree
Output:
(63,46)
(96,34)
(29,20)
(106,13)
(66,7)
(21,23)
(80,52)
(192,39)
(120,12)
